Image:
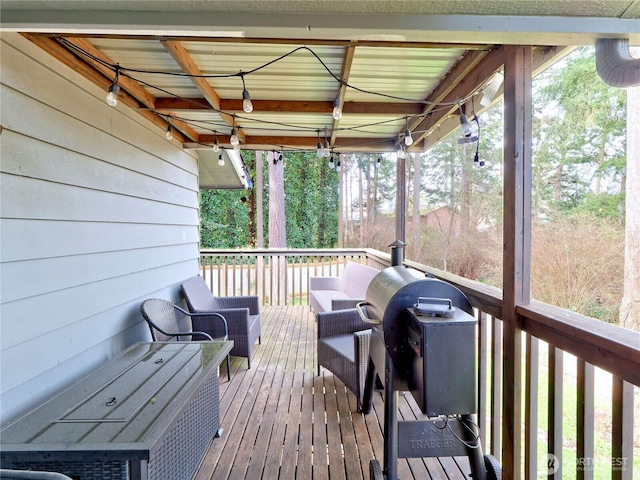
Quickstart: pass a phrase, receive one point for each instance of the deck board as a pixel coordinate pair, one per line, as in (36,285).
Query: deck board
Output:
(283,421)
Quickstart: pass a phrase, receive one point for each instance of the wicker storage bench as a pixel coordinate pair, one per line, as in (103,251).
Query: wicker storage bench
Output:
(150,413)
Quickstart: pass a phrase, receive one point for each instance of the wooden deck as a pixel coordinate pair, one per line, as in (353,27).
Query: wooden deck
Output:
(282,421)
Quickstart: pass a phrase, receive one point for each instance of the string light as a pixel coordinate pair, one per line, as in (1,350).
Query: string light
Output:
(114,89)
(320,148)
(408,139)
(221,160)
(379,162)
(326,151)
(332,164)
(247,106)
(216,146)
(337,109)
(169,133)
(400,151)
(338,167)
(234,140)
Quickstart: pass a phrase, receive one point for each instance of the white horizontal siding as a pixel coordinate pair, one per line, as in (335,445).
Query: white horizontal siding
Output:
(98,212)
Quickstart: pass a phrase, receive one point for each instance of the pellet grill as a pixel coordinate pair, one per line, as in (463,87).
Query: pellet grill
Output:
(424,341)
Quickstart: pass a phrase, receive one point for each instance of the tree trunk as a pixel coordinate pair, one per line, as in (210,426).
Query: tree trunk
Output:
(416,206)
(630,307)
(277,229)
(259,201)
(360,204)
(259,188)
(340,207)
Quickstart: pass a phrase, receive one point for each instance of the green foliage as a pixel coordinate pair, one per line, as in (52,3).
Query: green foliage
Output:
(224,219)
(311,206)
(311,201)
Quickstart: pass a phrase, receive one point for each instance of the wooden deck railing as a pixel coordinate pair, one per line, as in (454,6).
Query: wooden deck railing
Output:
(568,364)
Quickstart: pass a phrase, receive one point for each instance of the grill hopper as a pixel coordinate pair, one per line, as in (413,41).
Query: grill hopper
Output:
(441,372)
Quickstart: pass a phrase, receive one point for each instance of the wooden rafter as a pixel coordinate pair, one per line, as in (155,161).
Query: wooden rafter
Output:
(188,65)
(80,66)
(292,106)
(471,72)
(347,61)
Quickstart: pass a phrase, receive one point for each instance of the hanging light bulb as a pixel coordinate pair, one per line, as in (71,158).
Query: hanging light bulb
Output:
(234,137)
(112,95)
(338,167)
(379,162)
(326,148)
(221,160)
(332,164)
(216,147)
(400,152)
(247,106)
(114,89)
(169,133)
(408,139)
(466,126)
(337,109)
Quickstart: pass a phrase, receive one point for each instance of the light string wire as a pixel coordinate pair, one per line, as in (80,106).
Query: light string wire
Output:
(242,74)
(120,70)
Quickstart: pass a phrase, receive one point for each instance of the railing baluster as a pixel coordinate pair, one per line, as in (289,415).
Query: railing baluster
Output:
(622,430)
(531,409)
(482,376)
(556,380)
(496,386)
(585,410)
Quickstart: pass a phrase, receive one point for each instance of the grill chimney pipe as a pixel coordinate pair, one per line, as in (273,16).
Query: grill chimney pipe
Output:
(397,253)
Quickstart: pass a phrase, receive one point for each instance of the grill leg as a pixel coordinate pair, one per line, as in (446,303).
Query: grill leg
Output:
(390,422)
(476,459)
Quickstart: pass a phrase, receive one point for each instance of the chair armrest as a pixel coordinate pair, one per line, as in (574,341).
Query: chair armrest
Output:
(204,316)
(345,303)
(362,341)
(339,322)
(237,319)
(241,301)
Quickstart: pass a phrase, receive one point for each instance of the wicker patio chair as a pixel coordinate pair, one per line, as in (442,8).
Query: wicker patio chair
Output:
(163,319)
(343,348)
(242,314)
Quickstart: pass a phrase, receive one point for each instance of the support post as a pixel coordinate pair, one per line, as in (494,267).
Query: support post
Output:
(517,244)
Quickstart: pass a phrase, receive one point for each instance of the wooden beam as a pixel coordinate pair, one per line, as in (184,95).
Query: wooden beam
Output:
(131,86)
(345,71)
(292,106)
(78,65)
(186,62)
(460,82)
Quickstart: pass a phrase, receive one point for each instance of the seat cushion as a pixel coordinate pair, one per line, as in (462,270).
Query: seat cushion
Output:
(321,299)
(342,345)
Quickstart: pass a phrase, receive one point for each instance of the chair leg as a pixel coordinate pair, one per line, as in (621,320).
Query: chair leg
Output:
(228,369)
(260,340)
(248,362)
